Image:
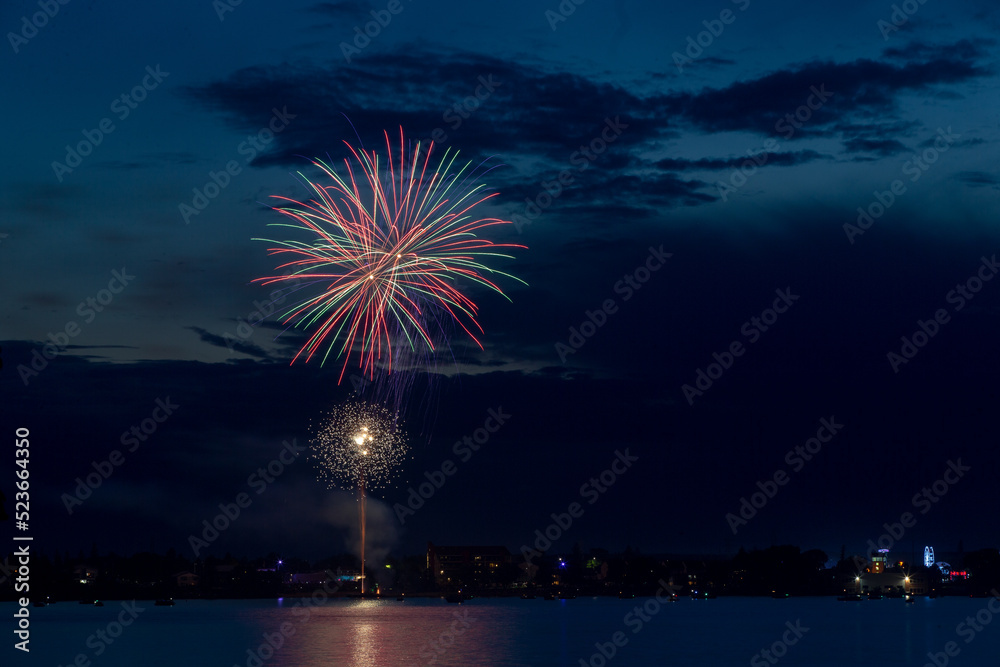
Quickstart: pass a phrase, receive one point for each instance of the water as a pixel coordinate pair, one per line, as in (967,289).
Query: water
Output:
(514,632)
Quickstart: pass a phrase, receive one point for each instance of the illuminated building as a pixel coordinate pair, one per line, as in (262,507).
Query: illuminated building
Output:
(882,577)
(466,564)
(880,561)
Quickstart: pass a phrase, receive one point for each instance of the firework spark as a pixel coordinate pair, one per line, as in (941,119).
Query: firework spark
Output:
(359,444)
(391,243)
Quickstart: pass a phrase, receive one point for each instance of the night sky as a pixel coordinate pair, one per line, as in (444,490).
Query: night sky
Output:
(801,185)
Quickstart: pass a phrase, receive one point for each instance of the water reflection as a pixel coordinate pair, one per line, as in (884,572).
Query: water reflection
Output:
(378,633)
(296,632)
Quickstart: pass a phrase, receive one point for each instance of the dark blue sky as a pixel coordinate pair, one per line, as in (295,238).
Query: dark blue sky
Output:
(741,138)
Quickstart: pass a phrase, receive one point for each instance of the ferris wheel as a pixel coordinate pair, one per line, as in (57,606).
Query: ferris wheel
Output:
(928,556)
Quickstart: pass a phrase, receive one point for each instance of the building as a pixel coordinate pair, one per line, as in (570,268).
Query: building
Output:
(466,565)
(920,582)
(847,582)
(880,561)
(186,579)
(85,574)
(885,577)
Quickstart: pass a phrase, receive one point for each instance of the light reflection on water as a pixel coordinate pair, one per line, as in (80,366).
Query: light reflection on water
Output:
(510,633)
(374,633)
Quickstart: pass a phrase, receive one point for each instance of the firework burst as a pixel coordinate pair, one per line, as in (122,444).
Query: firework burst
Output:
(359,444)
(391,244)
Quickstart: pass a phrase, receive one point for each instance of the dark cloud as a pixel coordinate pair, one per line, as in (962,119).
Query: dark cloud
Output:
(964,49)
(46,201)
(523,110)
(961,143)
(147,160)
(659,190)
(233,344)
(48,300)
(861,88)
(345,9)
(541,112)
(714,60)
(558,118)
(978,179)
(787,159)
(881,147)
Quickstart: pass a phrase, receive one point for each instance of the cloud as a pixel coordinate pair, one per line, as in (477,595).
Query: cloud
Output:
(882,147)
(233,345)
(966,49)
(537,119)
(863,88)
(344,9)
(520,108)
(978,179)
(538,122)
(44,201)
(787,159)
(50,300)
(147,160)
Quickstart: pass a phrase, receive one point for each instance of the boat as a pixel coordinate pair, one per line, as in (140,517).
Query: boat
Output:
(98,603)
(164,602)
(456,598)
(550,596)
(527,596)
(851,597)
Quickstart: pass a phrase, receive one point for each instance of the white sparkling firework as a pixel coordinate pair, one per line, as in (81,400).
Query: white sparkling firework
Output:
(359,444)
